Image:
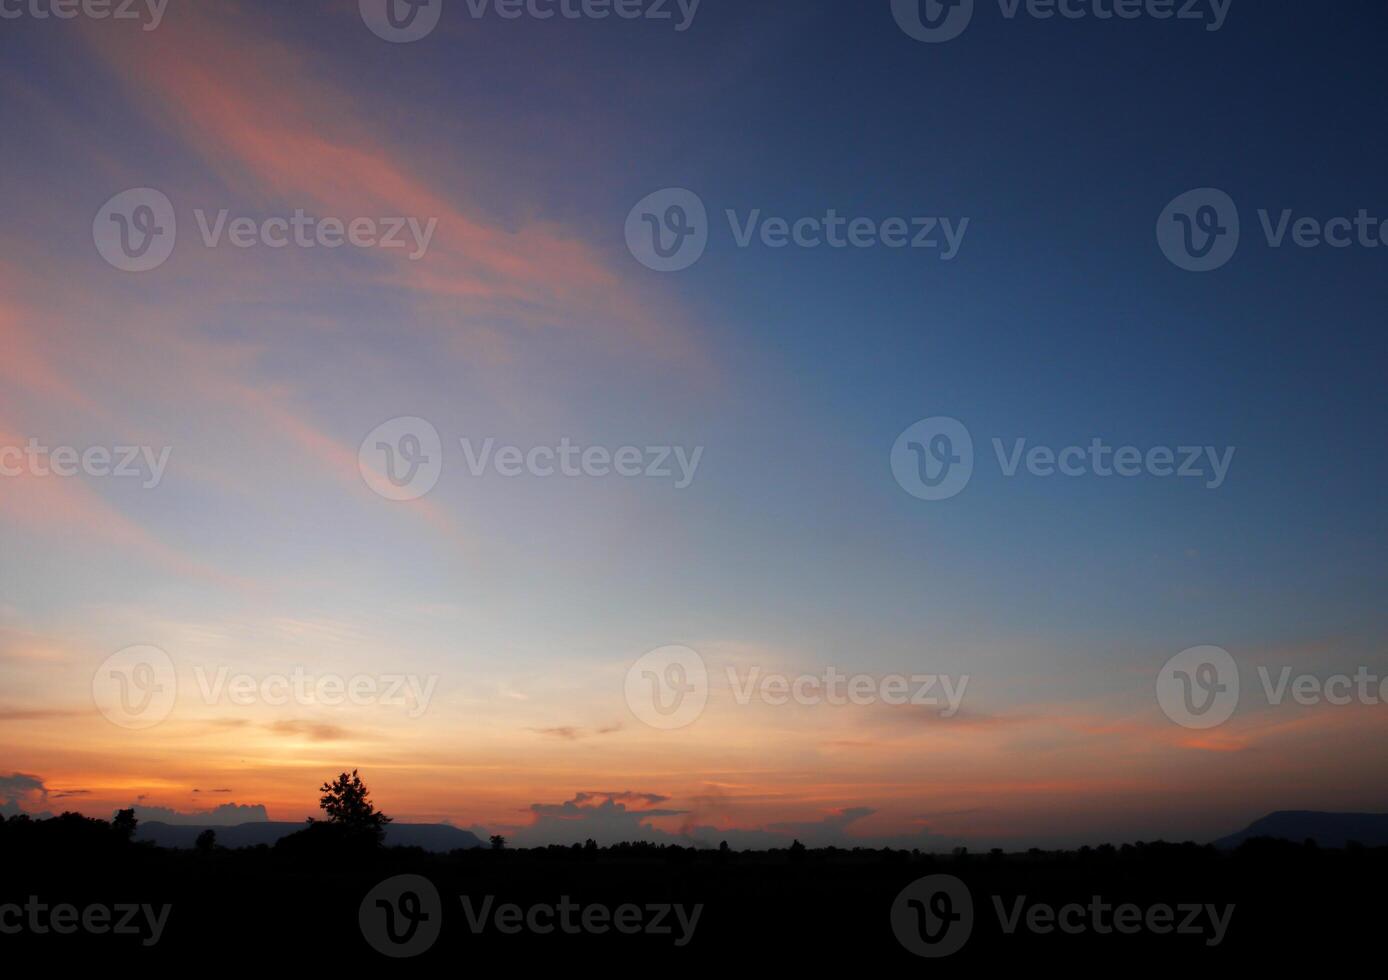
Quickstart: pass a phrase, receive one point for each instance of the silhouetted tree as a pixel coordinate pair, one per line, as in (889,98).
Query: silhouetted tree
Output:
(347,802)
(124,824)
(207,841)
(498,842)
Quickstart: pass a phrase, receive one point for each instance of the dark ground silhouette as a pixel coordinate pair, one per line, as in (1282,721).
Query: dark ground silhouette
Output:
(320,893)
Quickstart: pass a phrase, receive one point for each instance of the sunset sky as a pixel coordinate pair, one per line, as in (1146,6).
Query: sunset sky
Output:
(262,550)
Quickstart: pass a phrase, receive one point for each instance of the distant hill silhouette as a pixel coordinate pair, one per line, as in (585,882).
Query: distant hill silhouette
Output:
(226,815)
(329,887)
(1326,829)
(436,837)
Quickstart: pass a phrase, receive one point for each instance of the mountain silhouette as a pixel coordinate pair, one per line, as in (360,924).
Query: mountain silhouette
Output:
(1326,829)
(436,837)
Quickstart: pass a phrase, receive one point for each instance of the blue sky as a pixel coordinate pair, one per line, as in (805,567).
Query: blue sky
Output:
(1060,321)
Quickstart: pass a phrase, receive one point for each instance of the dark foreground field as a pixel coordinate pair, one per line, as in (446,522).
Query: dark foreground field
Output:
(81,891)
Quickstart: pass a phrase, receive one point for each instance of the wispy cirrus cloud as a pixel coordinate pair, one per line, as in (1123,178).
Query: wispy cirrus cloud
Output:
(281,131)
(570,733)
(312,730)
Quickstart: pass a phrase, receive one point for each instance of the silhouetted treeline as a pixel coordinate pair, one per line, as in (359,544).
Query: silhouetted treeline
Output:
(790,908)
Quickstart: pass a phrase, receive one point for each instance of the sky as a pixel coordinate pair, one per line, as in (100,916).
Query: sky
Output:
(775,528)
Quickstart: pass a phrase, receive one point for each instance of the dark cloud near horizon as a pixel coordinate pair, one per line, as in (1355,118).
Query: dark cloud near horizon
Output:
(226,815)
(607,819)
(571,733)
(625,796)
(21,792)
(36,714)
(316,731)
